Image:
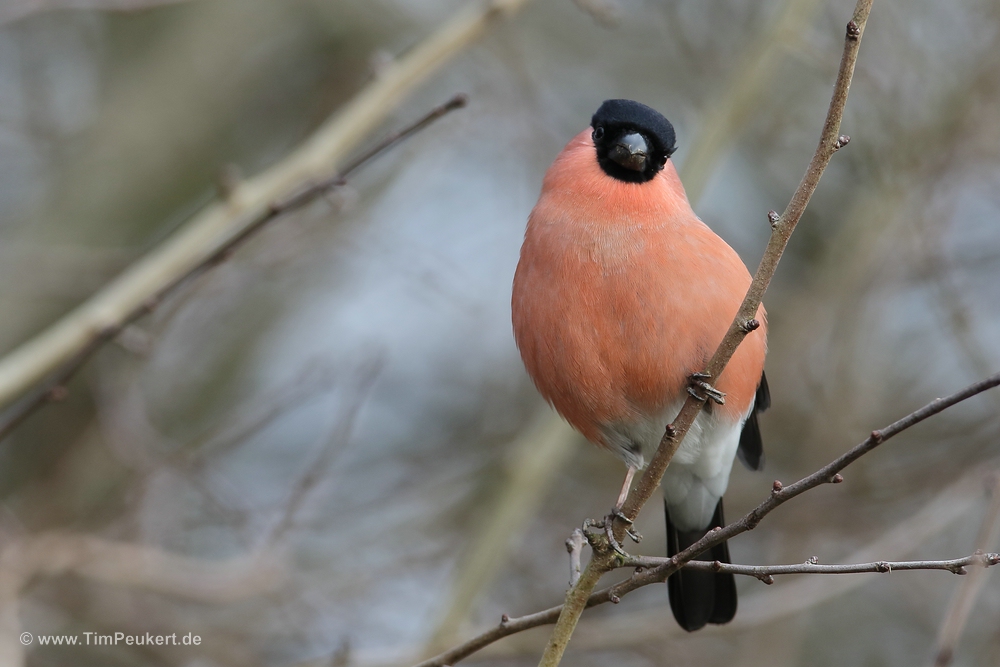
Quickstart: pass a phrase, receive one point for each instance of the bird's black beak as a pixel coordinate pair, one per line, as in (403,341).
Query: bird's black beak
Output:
(631,151)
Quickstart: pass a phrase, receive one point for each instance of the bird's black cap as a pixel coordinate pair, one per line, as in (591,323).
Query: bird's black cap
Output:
(615,125)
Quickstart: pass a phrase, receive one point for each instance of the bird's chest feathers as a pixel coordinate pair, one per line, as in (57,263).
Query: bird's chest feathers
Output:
(609,250)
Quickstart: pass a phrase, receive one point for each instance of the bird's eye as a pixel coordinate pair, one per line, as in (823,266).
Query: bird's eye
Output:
(598,133)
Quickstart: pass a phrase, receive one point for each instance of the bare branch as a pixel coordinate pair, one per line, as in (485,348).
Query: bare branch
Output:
(55,388)
(826,474)
(537,452)
(208,236)
(766,572)
(607,13)
(333,443)
(15,10)
(830,142)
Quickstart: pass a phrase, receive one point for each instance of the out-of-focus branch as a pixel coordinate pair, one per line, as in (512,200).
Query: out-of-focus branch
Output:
(54,389)
(782,227)
(57,553)
(968,591)
(334,442)
(607,13)
(766,573)
(780,494)
(536,454)
(15,10)
(210,235)
(722,118)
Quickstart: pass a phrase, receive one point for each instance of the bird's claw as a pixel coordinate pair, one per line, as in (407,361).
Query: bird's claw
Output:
(696,381)
(616,513)
(606,525)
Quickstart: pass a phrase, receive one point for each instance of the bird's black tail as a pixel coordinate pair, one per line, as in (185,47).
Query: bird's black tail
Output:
(696,597)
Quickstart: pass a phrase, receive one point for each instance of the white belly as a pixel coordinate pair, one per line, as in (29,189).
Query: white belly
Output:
(699,472)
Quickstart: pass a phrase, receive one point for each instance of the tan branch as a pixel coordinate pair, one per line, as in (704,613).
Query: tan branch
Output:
(15,10)
(782,227)
(534,457)
(766,573)
(55,388)
(207,236)
(780,494)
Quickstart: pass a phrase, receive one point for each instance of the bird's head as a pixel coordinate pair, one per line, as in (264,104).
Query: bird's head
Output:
(632,140)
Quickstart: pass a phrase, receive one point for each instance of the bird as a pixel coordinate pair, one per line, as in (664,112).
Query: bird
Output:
(620,297)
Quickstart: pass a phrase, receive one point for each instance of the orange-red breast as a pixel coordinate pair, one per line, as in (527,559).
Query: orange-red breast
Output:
(620,295)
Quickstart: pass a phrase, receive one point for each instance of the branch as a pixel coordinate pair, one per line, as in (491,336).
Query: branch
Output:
(779,495)
(766,572)
(54,389)
(208,235)
(964,599)
(530,461)
(782,227)
(15,10)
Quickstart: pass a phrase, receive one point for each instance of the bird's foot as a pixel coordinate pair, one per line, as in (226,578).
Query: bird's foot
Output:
(696,381)
(606,526)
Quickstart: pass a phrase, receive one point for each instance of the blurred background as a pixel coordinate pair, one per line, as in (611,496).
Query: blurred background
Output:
(344,392)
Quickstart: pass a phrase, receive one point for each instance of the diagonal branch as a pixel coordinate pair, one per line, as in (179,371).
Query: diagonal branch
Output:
(782,227)
(206,237)
(55,388)
(779,495)
(828,474)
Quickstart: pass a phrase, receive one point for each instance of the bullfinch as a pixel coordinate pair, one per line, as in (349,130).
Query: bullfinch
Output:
(620,297)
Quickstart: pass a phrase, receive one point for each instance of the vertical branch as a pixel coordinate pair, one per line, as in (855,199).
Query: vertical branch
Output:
(783,226)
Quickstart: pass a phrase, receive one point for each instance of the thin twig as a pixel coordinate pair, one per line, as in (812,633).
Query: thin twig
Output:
(607,13)
(333,443)
(766,572)
(830,142)
(779,495)
(828,474)
(744,322)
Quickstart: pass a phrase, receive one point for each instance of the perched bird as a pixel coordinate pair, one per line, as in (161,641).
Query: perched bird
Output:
(620,297)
